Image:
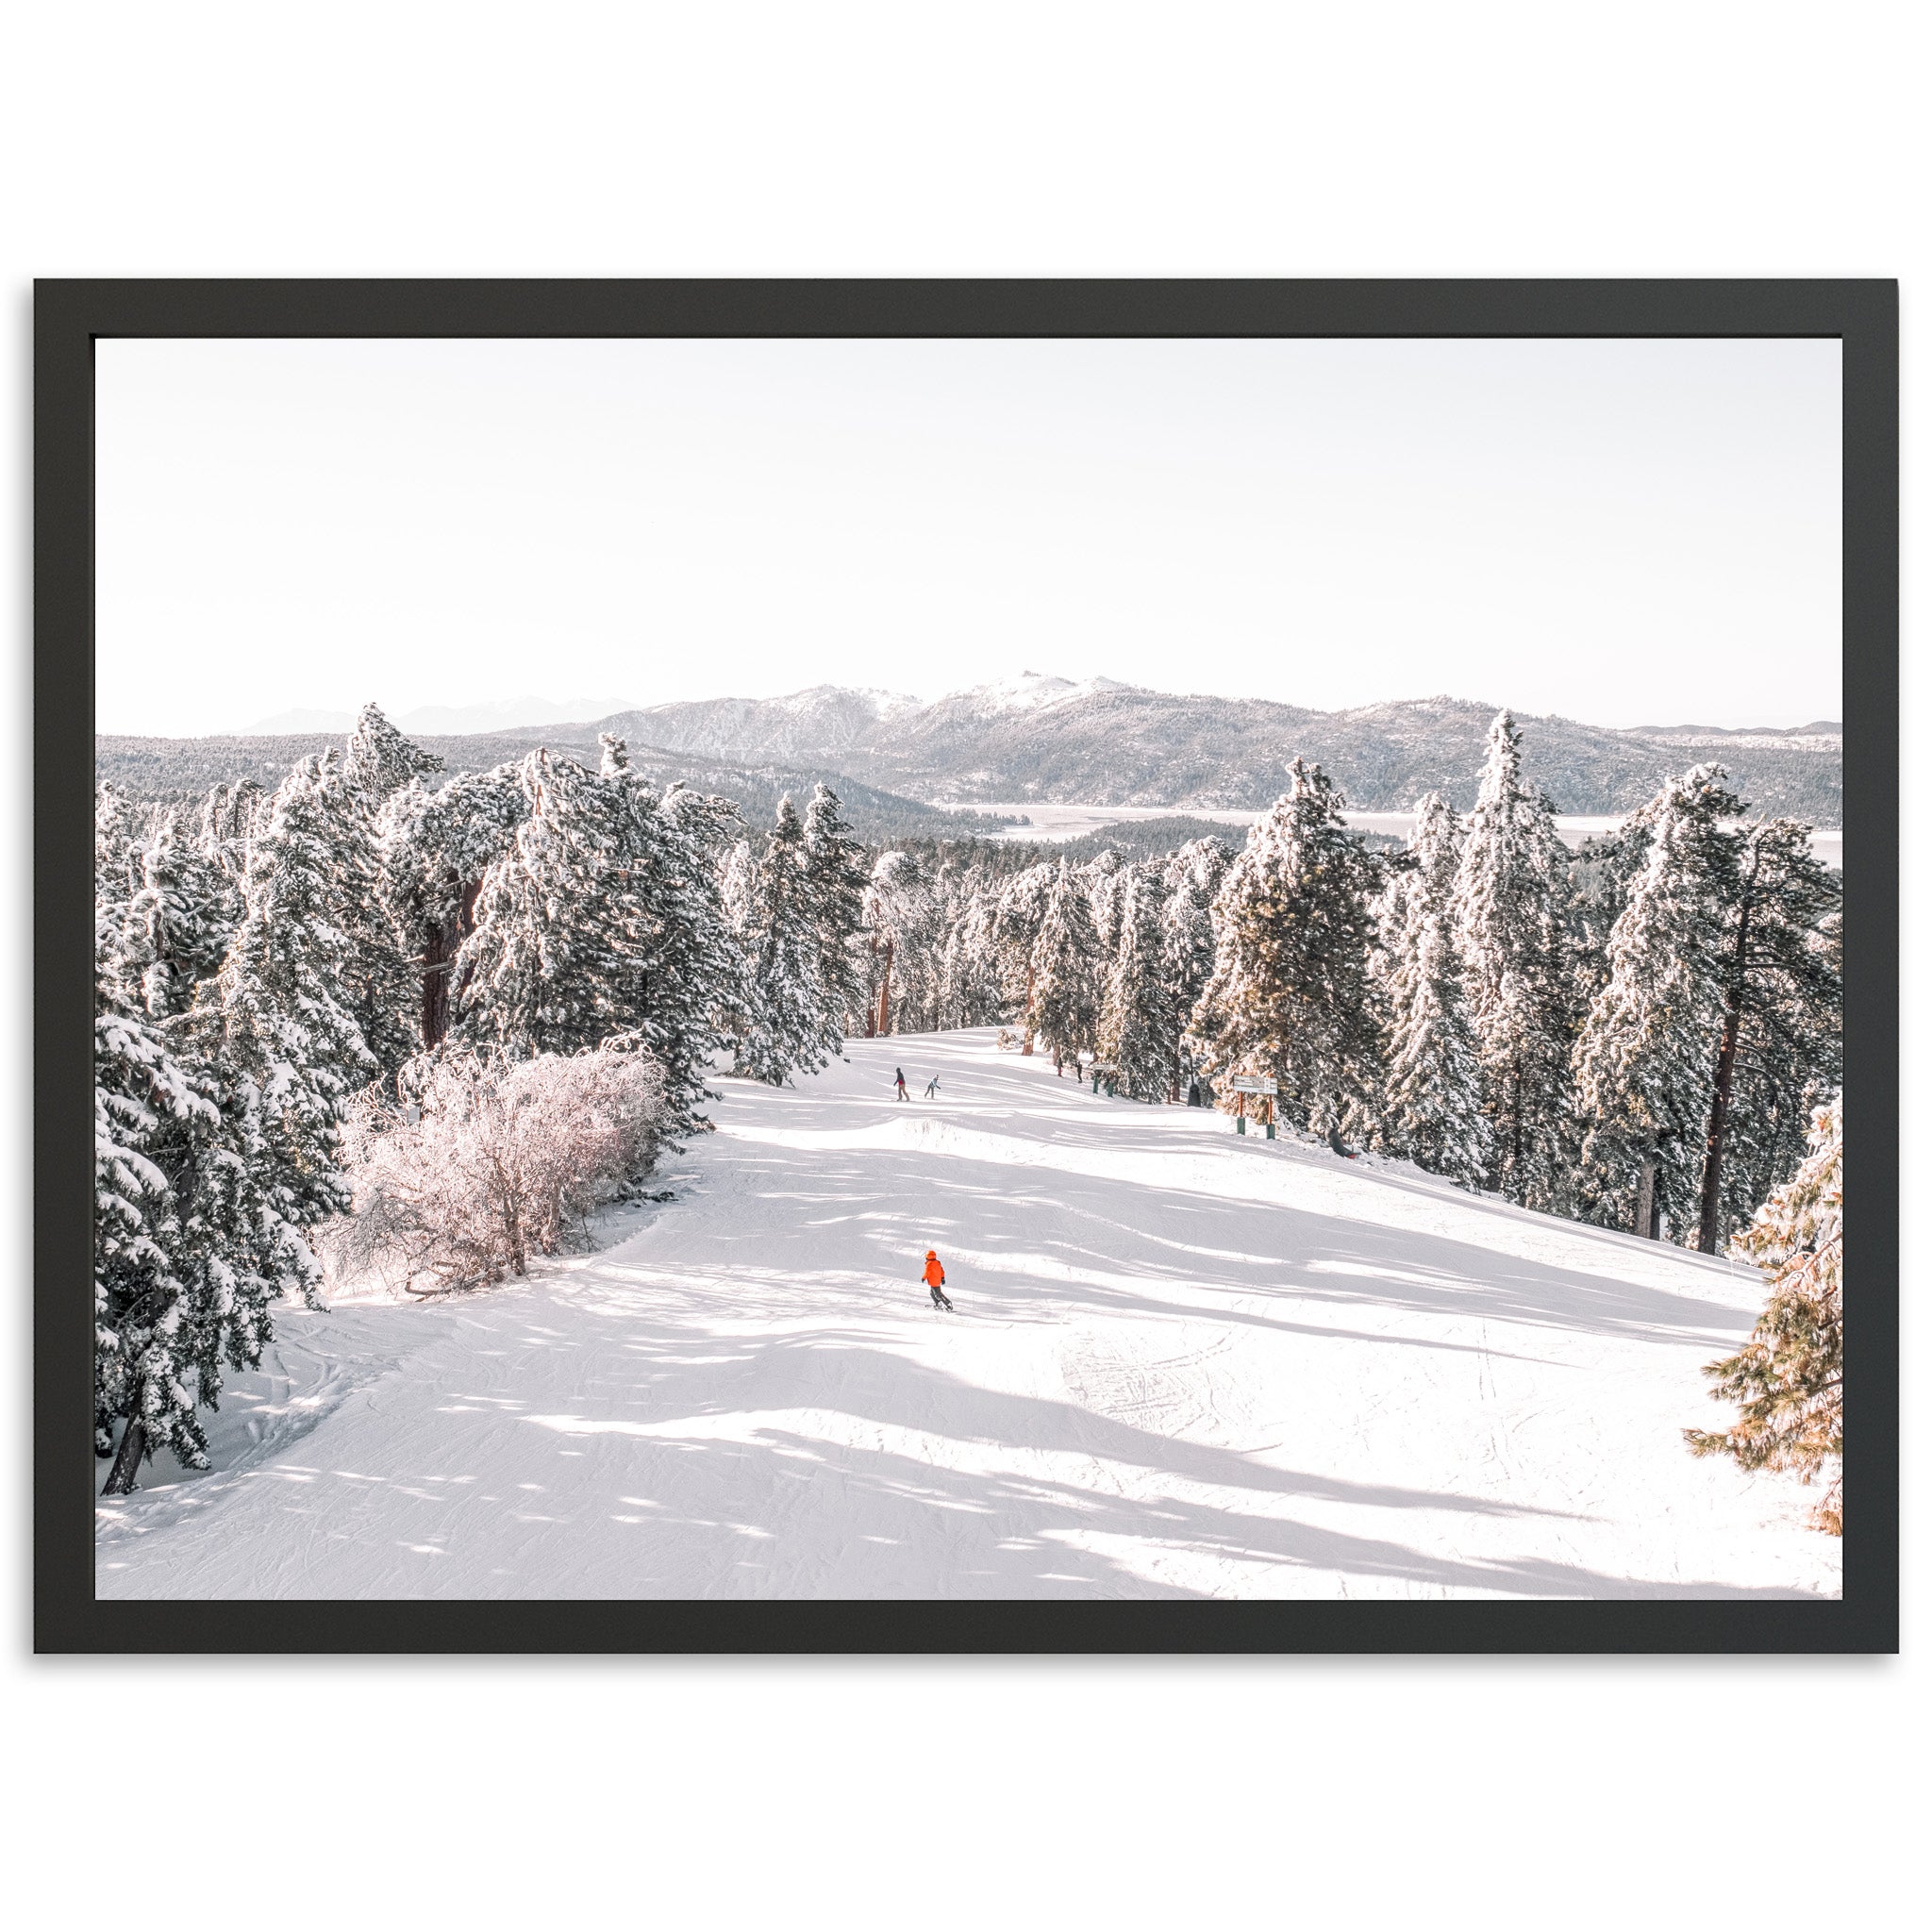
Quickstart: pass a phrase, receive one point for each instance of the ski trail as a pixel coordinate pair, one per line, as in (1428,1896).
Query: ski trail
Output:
(1183,1364)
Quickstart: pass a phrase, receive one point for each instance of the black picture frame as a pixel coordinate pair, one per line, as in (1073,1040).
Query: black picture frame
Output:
(71,315)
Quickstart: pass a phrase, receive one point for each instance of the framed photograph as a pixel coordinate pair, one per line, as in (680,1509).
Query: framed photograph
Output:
(966,966)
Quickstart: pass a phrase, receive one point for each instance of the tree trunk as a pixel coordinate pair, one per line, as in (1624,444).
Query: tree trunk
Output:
(1711,1192)
(1516,1137)
(436,955)
(885,991)
(1027,1018)
(127,1458)
(1644,1220)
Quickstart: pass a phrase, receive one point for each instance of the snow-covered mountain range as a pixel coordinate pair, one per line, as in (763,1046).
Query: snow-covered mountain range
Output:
(1097,742)
(1053,740)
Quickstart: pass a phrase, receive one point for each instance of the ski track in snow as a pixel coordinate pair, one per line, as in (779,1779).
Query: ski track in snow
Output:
(1186,1364)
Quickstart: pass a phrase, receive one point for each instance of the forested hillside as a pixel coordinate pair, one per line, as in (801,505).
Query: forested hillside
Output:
(179,770)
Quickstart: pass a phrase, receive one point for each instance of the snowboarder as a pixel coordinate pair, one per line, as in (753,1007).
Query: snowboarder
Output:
(1337,1145)
(899,1081)
(932,1088)
(936,1280)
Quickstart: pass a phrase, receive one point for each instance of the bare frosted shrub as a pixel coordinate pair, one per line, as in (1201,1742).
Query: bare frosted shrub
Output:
(480,1160)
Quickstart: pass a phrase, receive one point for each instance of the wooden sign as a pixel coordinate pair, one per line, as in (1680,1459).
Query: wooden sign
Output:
(1254,1083)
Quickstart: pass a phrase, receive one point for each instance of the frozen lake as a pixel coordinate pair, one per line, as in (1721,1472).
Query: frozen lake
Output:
(1060,821)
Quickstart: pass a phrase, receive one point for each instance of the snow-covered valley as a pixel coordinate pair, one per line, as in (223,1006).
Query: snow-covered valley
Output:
(1183,1363)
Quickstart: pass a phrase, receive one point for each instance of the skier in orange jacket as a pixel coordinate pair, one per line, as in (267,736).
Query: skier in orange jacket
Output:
(936,1280)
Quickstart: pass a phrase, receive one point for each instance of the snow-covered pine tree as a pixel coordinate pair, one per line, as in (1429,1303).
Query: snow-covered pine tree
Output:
(1290,995)
(1067,966)
(1139,1028)
(1788,1378)
(234,1102)
(1644,1058)
(898,913)
(1511,893)
(1432,1094)
(135,1084)
(835,875)
(1019,911)
(139,1086)
(1781,993)
(379,760)
(738,904)
(382,983)
(973,991)
(1193,876)
(117,857)
(229,814)
(180,920)
(436,847)
(285,1035)
(687,973)
(561,918)
(788,1033)
(1105,878)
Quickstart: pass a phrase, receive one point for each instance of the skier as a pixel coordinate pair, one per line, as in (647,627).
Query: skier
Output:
(899,1081)
(1337,1145)
(936,1280)
(932,1088)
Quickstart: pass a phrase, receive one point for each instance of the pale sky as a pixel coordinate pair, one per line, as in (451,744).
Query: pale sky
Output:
(1624,532)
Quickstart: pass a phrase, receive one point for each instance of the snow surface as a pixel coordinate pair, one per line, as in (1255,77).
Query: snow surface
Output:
(1053,822)
(1183,1364)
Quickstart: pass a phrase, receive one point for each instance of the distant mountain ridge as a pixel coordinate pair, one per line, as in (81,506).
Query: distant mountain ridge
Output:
(1045,739)
(179,769)
(1057,741)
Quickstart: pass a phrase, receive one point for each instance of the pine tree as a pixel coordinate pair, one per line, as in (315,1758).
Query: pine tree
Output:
(379,760)
(686,972)
(1106,878)
(285,1033)
(835,872)
(436,848)
(216,1148)
(1290,995)
(1509,899)
(117,855)
(1781,991)
(1788,1378)
(1643,1061)
(561,918)
(1065,1009)
(1018,914)
(178,924)
(380,984)
(788,1033)
(973,990)
(1193,876)
(1139,1028)
(140,1375)
(1432,1095)
(898,914)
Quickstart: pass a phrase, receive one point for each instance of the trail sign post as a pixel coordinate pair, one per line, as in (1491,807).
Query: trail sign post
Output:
(1266,1089)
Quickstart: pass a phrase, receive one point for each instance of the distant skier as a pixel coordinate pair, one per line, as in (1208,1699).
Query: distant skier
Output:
(899,1081)
(936,1280)
(1339,1145)
(932,1088)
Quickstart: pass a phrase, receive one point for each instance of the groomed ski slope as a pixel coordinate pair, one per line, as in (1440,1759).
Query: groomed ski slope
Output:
(1183,1364)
